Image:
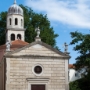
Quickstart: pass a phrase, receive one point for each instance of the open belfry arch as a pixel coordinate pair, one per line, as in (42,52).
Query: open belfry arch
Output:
(30,66)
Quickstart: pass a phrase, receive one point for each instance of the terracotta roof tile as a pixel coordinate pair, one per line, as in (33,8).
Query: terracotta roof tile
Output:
(71,66)
(19,42)
(15,44)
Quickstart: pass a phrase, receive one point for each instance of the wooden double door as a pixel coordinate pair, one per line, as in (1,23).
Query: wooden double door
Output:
(37,87)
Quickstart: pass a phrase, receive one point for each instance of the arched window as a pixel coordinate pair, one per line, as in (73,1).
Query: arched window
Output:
(19,36)
(12,37)
(21,22)
(10,21)
(16,21)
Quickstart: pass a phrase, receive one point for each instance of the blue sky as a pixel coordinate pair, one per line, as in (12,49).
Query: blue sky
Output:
(65,16)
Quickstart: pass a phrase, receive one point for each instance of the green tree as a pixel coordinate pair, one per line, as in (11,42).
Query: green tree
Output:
(74,85)
(31,21)
(3,16)
(80,84)
(82,45)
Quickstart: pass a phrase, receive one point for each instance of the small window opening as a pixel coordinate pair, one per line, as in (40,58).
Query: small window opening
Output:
(16,21)
(21,22)
(10,21)
(76,74)
(12,37)
(19,36)
(38,69)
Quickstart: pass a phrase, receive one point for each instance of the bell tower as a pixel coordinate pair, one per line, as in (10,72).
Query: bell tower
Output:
(15,23)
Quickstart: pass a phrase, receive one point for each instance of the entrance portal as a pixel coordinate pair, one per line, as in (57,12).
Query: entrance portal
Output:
(37,87)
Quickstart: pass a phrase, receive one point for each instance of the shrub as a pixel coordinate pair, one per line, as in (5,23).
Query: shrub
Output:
(81,84)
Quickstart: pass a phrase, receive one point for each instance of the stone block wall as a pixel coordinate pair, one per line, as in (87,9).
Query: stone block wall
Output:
(21,69)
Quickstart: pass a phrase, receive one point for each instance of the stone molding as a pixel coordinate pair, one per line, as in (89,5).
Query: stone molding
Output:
(38,81)
(14,14)
(38,64)
(37,39)
(16,29)
(66,75)
(36,56)
(7,86)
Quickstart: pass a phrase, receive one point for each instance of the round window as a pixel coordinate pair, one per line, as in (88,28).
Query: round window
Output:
(37,69)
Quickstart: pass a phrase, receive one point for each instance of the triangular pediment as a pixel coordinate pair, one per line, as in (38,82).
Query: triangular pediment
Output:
(38,49)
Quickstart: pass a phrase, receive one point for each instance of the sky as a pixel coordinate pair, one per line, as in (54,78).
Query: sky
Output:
(65,16)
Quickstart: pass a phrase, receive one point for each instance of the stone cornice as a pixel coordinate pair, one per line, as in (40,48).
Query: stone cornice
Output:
(36,56)
(16,29)
(37,79)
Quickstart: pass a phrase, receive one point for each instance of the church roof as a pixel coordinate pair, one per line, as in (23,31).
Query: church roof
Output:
(19,42)
(15,44)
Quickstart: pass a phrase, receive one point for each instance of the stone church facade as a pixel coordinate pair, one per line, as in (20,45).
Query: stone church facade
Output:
(34,66)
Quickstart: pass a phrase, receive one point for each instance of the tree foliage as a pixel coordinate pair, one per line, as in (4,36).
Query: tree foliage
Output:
(31,21)
(74,85)
(82,45)
(80,84)
(3,16)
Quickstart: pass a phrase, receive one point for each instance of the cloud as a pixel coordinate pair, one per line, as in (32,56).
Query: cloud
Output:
(71,12)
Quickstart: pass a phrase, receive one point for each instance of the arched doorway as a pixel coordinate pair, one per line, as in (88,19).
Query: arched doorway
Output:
(12,37)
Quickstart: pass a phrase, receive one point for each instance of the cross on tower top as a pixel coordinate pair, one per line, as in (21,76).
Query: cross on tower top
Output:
(14,1)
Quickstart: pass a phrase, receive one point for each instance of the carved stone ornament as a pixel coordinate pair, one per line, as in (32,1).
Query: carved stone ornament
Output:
(8,44)
(66,47)
(38,31)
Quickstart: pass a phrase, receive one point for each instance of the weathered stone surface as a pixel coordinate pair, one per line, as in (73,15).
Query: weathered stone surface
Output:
(37,51)
(22,68)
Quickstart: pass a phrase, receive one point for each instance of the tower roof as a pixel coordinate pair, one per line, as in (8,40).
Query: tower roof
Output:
(15,9)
